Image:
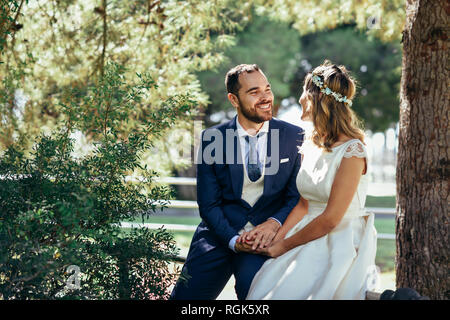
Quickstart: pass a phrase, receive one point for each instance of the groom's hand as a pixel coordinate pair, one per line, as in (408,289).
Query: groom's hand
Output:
(262,235)
(243,247)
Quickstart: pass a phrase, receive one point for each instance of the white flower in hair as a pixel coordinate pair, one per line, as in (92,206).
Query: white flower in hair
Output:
(339,97)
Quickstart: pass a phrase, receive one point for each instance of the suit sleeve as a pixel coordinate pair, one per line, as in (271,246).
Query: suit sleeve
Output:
(291,193)
(209,199)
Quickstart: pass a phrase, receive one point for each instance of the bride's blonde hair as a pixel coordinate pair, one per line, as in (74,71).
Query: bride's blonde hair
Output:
(330,116)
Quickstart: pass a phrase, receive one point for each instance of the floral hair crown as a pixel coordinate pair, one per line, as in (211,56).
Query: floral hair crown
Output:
(323,88)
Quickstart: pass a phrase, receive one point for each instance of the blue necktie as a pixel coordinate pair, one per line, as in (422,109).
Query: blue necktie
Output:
(253,163)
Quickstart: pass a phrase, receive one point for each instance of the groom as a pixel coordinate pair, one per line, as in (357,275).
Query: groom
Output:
(246,181)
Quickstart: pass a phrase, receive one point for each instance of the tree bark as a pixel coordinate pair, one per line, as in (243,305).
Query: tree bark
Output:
(422,259)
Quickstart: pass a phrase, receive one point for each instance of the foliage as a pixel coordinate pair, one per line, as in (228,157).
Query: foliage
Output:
(65,44)
(58,210)
(9,10)
(381,19)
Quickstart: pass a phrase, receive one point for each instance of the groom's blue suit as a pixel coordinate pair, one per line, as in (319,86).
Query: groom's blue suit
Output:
(210,262)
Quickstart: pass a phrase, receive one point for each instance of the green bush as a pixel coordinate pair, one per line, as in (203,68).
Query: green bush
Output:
(57,210)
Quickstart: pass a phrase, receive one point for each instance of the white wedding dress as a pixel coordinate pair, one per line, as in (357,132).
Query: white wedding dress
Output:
(337,265)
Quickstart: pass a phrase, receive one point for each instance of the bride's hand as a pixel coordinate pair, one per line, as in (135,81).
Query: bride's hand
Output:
(275,250)
(262,235)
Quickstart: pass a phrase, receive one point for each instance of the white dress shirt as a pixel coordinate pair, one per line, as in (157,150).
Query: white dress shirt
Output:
(261,145)
(262,152)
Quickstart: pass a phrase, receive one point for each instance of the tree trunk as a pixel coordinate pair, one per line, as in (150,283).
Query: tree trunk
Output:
(423,164)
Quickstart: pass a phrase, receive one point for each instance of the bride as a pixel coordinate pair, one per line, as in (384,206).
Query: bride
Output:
(327,245)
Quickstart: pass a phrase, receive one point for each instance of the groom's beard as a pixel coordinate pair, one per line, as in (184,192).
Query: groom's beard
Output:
(253,114)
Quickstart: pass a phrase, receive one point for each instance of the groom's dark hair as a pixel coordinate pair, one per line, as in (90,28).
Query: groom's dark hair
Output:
(232,77)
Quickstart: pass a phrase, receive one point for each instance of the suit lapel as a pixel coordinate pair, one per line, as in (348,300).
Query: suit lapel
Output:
(236,167)
(269,179)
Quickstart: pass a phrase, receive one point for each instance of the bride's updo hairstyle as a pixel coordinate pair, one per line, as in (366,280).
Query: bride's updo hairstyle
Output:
(330,90)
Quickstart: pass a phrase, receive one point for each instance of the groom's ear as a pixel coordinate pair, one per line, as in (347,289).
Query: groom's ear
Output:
(233,99)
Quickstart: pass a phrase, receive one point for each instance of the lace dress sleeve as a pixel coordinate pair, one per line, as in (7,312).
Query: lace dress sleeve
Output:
(357,149)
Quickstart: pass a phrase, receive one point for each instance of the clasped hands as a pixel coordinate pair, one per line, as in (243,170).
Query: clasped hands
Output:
(260,240)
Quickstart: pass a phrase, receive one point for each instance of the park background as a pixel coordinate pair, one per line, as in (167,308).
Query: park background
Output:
(98,105)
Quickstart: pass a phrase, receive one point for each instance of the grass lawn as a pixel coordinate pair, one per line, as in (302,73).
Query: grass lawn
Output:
(381,202)
(385,258)
(385,225)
